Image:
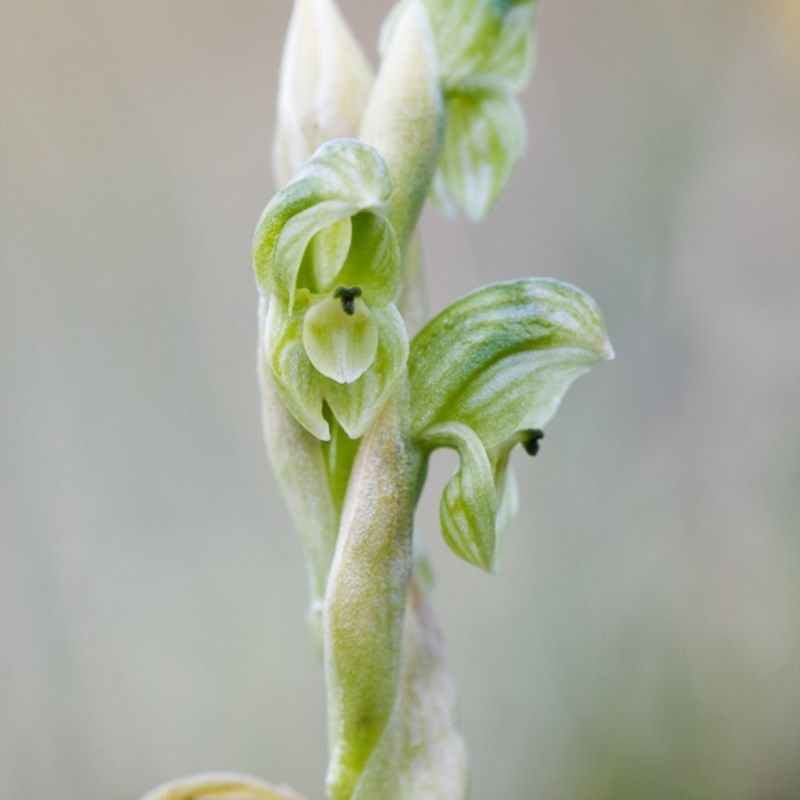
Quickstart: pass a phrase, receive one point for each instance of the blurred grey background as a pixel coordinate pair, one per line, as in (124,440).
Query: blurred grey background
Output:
(642,637)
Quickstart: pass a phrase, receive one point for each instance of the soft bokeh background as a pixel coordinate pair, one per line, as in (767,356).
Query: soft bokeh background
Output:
(642,638)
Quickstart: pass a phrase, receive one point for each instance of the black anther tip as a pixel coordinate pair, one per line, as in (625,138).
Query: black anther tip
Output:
(348,297)
(531,441)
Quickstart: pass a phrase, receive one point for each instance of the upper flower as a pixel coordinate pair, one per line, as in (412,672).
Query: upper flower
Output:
(327,257)
(485,56)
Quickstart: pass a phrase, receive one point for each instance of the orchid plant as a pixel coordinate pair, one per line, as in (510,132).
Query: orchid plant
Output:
(358,392)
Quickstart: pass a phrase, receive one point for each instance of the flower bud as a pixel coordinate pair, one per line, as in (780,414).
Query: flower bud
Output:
(221,786)
(404,118)
(324,86)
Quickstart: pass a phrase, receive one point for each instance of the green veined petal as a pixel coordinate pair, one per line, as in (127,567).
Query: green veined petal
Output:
(485,56)
(468,508)
(299,385)
(341,345)
(501,358)
(485,139)
(481,43)
(355,405)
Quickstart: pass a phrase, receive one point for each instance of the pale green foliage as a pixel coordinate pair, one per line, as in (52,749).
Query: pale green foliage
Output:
(344,178)
(351,410)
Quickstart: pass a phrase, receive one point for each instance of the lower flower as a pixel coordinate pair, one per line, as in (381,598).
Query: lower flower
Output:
(335,351)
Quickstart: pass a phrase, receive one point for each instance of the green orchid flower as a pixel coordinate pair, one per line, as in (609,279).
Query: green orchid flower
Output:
(327,258)
(489,372)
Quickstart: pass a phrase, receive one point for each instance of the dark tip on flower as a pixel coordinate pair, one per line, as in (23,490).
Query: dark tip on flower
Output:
(348,297)
(530,440)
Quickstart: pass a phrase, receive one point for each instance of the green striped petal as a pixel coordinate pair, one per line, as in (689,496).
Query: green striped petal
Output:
(468,508)
(299,385)
(501,358)
(486,52)
(339,344)
(484,140)
(482,43)
(355,405)
(303,387)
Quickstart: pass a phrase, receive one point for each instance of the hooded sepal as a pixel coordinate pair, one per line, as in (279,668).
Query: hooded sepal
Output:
(500,359)
(344,178)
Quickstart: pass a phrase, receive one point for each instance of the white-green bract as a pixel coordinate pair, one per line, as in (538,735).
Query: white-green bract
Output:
(354,401)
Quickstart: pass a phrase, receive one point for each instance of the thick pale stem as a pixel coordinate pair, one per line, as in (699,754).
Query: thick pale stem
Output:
(298,462)
(422,753)
(404,119)
(366,596)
